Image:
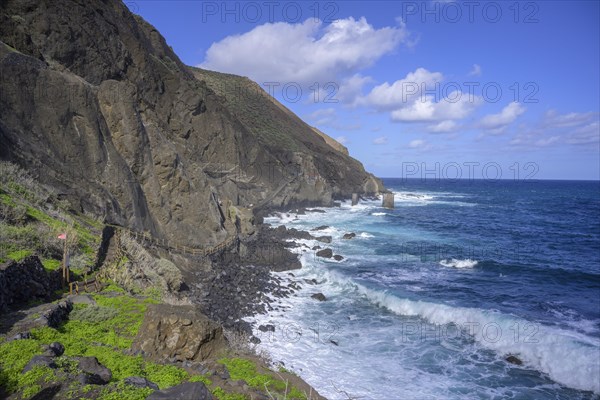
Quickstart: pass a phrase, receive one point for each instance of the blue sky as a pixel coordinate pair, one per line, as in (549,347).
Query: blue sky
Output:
(448,89)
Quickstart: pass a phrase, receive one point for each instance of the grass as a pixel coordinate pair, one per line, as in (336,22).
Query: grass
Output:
(51,264)
(247,371)
(102,331)
(19,255)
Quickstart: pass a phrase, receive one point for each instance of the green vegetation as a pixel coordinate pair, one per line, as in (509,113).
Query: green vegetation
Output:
(51,265)
(19,255)
(246,370)
(31,217)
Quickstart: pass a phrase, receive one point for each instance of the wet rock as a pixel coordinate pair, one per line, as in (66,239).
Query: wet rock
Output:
(185,391)
(316,248)
(514,360)
(324,239)
(321,228)
(349,235)
(337,257)
(140,382)
(325,253)
(267,328)
(319,296)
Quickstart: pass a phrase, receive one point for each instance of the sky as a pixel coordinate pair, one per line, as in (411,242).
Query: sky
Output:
(416,89)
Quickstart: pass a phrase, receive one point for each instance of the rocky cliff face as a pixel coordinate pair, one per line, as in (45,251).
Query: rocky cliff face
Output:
(96,104)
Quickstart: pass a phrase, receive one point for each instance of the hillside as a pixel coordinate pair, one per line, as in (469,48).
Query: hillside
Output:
(94,103)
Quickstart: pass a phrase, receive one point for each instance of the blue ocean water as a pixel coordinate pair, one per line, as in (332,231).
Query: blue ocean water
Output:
(433,296)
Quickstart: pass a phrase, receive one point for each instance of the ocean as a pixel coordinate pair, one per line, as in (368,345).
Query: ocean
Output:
(433,296)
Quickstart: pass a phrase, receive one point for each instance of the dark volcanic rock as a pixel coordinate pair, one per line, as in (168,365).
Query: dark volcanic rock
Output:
(185,391)
(92,371)
(267,328)
(321,228)
(326,253)
(349,235)
(54,349)
(140,382)
(24,281)
(44,361)
(319,296)
(324,239)
(337,257)
(57,314)
(514,360)
(145,140)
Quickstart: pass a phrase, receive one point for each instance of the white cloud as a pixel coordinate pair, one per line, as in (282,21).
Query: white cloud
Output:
(586,135)
(445,109)
(306,52)
(380,140)
(342,139)
(580,129)
(411,100)
(443,127)
(555,120)
(401,92)
(547,141)
(497,122)
(476,71)
(417,144)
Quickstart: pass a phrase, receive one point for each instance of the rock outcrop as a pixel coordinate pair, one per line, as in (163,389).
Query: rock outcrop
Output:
(178,333)
(94,103)
(25,281)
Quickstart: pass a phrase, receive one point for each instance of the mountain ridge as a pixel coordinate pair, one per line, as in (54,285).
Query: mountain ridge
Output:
(95,103)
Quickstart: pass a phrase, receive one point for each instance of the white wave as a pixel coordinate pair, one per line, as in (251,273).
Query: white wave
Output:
(568,358)
(455,263)
(366,235)
(378,214)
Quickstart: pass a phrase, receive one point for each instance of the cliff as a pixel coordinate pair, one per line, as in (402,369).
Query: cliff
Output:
(94,103)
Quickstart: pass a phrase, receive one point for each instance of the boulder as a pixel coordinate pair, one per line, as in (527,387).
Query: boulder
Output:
(140,382)
(514,360)
(44,361)
(349,235)
(267,328)
(92,371)
(337,257)
(54,349)
(326,253)
(56,314)
(178,333)
(321,228)
(185,391)
(324,239)
(319,296)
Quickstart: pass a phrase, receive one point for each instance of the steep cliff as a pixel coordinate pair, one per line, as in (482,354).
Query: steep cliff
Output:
(96,104)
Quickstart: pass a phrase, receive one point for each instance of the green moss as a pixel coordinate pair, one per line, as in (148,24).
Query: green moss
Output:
(51,265)
(122,391)
(166,375)
(113,288)
(246,370)
(19,255)
(29,383)
(222,395)
(14,355)
(201,378)
(6,199)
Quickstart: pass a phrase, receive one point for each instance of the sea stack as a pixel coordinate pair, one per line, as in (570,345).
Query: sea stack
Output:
(388,200)
(354,199)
